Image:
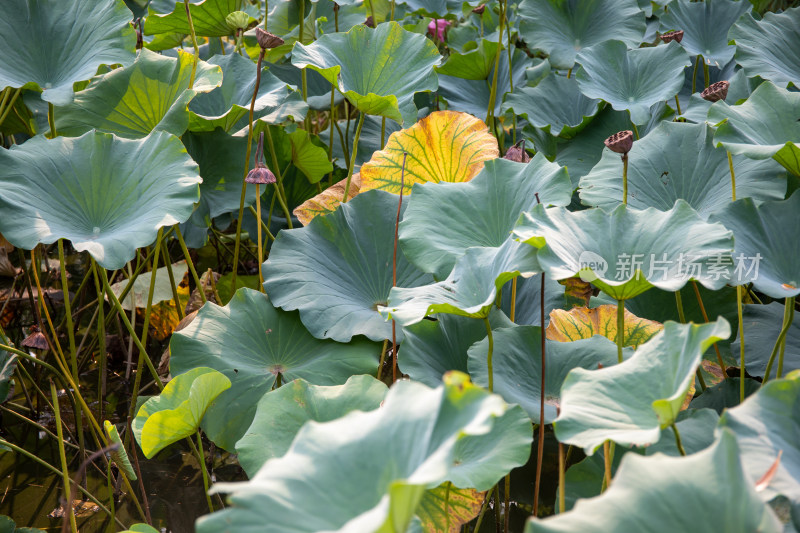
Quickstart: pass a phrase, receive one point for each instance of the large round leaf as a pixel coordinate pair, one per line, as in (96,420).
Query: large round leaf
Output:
(632,79)
(444,146)
(253,343)
(378,70)
(667,494)
(650,248)
(762,325)
(385,459)
(631,402)
(281,413)
(152,94)
(766,426)
(481,212)
(517,366)
(431,348)
(50,44)
(109,196)
(701,175)
(555,104)
(318,89)
(763,47)
(470,290)
(228,104)
(705,26)
(761,234)
(562,28)
(208,18)
(338,269)
(766,125)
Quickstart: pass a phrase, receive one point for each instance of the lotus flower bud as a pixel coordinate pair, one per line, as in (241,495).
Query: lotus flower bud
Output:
(517,153)
(370,22)
(621,142)
(260,175)
(237,21)
(438,27)
(480,9)
(716,91)
(36,339)
(675,35)
(266,40)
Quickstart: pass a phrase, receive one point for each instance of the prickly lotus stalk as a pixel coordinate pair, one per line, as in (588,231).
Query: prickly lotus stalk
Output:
(675,35)
(716,91)
(621,143)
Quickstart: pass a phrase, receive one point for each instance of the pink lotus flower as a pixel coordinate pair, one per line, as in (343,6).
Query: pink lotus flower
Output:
(438,27)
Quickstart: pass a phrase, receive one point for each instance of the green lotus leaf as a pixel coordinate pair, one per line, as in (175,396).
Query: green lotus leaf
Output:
(150,95)
(762,325)
(472,96)
(724,394)
(391,456)
(701,175)
(338,269)
(378,70)
(139,293)
(632,80)
(705,27)
(318,88)
(763,49)
(176,412)
(253,343)
(631,402)
(562,28)
(761,234)
(20,118)
(470,290)
(527,305)
(107,195)
(517,366)
(50,45)
(651,248)
(120,456)
(479,212)
(555,104)
(766,125)
(476,64)
(281,413)
(221,160)
(306,153)
(766,425)
(8,525)
(8,363)
(141,528)
(436,9)
(651,7)
(696,428)
(431,348)
(208,18)
(226,105)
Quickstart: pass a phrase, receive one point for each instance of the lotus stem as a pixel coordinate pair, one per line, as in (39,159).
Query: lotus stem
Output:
(73,359)
(706,80)
(694,72)
(353,158)
(264,225)
(513,311)
(332,120)
(625,178)
(620,328)
(394,256)
(383,358)
(190,263)
(51,120)
(540,444)
(6,107)
(484,506)
(678,439)
(194,43)
(391,12)
(506,503)
(63,456)
(248,150)
(682,319)
(260,243)
(202,458)
(780,343)
(447,506)
(678,105)
(733,177)
(705,319)
(741,342)
(490,352)
(101,342)
(493,93)
(383,132)
(562,480)
(279,190)
(173,285)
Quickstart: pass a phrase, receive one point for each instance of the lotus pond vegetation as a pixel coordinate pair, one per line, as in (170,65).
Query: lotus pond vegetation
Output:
(399,266)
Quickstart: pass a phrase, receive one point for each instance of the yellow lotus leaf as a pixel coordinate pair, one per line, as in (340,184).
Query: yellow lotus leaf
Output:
(164,316)
(462,506)
(583,323)
(327,201)
(444,146)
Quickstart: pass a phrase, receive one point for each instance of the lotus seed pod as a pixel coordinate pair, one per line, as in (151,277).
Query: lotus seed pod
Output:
(237,21)
(369,22)
(36,340)
(267,40)
(480,9)
(716,91)
(517,153)
(621,142)
(260,175)
(676,35)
